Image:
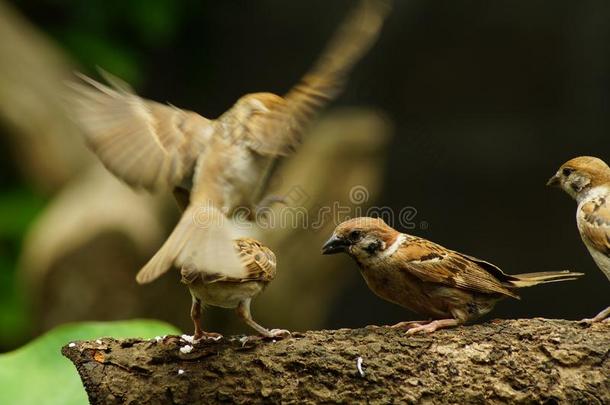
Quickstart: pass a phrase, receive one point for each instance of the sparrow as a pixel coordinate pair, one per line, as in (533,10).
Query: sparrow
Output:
(450,287)
(259,264)
(217,168)
(587,180)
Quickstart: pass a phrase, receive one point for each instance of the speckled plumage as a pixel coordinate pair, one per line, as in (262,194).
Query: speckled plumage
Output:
(587,180)
(219,290)
(427,278)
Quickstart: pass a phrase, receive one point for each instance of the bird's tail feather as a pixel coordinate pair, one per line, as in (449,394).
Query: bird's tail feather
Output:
(530,279)
(202,240)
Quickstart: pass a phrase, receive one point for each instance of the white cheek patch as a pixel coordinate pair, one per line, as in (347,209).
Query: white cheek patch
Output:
(390,250)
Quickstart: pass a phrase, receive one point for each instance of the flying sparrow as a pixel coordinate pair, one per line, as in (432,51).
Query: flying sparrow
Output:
(426,278)
(259,265)
(216,167)
(587,180)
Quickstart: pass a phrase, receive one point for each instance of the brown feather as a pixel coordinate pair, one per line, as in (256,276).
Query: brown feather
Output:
(594,224)
(144,143)
(433,263)
(280,130)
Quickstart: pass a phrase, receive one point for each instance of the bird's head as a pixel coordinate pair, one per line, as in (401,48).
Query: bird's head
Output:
(579,175)
(361,238)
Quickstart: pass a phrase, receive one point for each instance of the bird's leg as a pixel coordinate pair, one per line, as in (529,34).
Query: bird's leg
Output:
(604,315)
(243,310)
(196,317)
(434,325)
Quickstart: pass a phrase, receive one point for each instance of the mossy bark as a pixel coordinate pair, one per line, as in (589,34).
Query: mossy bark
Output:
(508,361)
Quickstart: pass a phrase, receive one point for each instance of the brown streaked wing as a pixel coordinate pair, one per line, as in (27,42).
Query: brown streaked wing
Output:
(279,131)
(432,263)
(259,260)
(146,144)
(594,224)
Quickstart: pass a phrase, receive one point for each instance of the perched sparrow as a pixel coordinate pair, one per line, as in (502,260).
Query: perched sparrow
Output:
(223,164)
(426,278)
(587,180)
(218,290)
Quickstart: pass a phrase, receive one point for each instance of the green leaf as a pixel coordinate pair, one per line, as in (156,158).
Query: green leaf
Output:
(37,373)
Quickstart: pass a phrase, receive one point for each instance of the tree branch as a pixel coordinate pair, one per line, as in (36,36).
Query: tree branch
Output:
(527,360)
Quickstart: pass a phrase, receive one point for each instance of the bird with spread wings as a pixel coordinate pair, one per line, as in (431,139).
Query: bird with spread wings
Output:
(221,165)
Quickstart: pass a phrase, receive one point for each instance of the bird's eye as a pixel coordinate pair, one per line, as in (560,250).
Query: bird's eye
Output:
(567,171)
(355,235)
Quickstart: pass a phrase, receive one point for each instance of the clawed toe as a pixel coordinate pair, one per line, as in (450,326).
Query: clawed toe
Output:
(207,335)
(433,326)
(278,334)
(408,324)
(427,328)
(603,316)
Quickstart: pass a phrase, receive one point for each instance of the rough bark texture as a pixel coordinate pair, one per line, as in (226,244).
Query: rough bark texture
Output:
(515,361)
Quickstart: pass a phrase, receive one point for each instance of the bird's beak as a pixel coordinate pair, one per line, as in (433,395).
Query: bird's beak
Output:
(334,245)
(553,181)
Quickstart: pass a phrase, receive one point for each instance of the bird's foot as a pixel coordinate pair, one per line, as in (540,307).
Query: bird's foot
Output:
(277,334)
(408,324)
(433,326)
(207,335)
(603,316)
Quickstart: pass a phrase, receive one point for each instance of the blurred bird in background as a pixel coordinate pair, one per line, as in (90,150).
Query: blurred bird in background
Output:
(426,278)
(95,230)
(223,165)
(587,180)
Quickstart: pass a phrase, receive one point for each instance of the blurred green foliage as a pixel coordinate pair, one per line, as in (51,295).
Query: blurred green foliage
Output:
(38,374)
(110,34)
(18,208)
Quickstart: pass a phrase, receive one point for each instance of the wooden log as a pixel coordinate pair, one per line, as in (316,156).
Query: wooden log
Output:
(507,361)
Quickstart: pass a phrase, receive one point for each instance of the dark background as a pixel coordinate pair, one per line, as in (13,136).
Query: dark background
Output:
(487,99)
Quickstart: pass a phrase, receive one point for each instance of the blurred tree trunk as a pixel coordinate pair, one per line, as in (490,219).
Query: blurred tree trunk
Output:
(509,361)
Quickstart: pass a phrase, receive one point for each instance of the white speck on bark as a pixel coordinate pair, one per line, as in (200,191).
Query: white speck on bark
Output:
(359,366)
(186,349)
(188,338)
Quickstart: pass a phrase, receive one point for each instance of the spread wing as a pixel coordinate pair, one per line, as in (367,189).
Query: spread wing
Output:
(278,131)
(146,144)
(432,263)
(594,224)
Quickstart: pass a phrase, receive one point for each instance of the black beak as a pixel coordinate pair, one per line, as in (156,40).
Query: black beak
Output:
(334,245)
(553,181)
